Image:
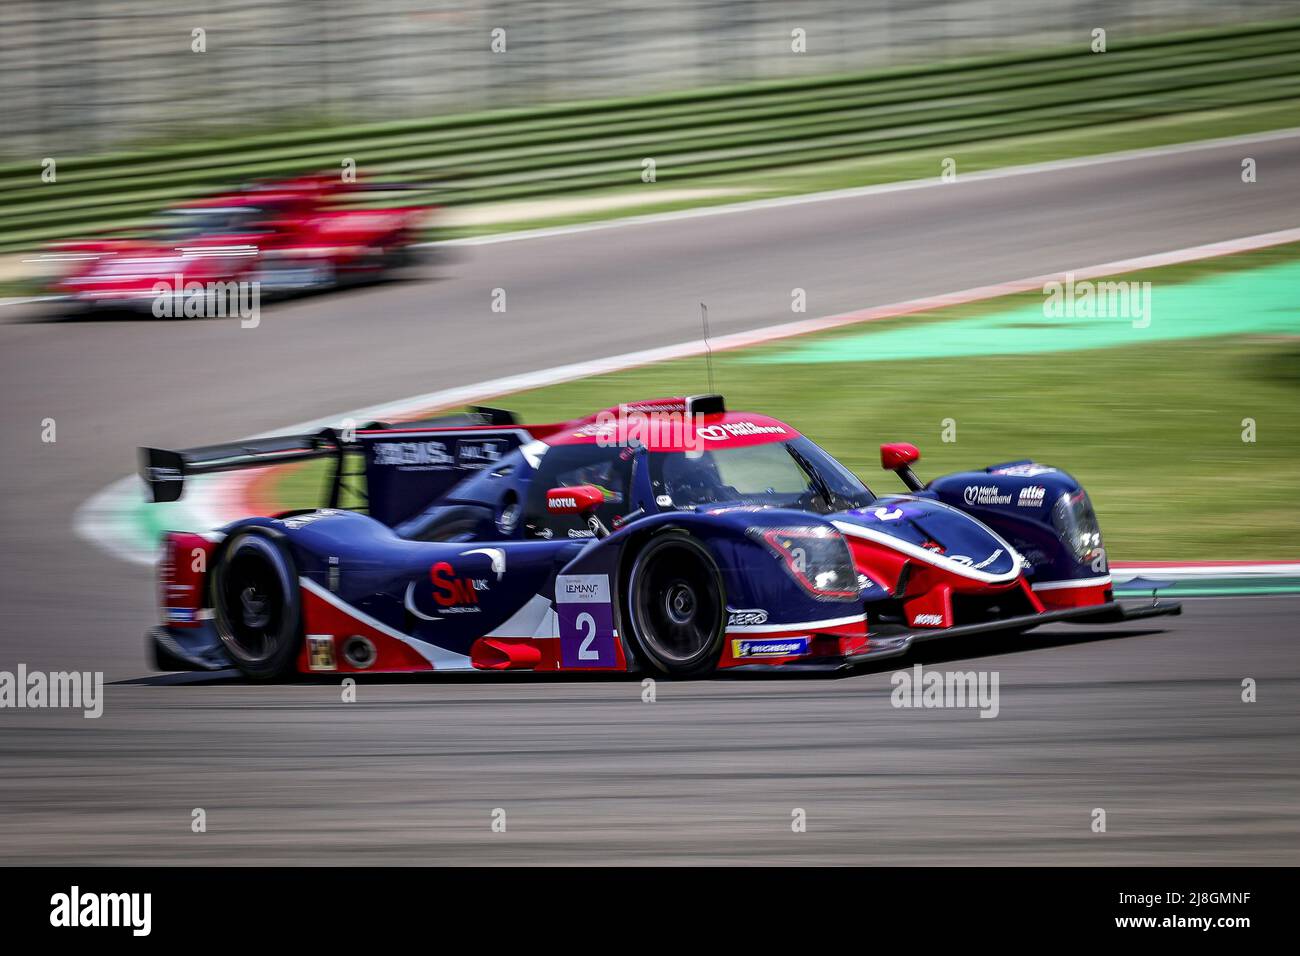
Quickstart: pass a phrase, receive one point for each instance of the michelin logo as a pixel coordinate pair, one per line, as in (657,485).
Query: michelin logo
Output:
(770,647)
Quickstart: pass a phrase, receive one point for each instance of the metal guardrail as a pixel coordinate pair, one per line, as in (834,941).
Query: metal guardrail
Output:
(91,76)
(521,153)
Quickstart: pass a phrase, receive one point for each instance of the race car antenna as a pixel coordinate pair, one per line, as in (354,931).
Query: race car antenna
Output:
(708,349)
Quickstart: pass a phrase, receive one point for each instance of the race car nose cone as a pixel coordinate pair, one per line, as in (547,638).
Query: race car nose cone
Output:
(913,527)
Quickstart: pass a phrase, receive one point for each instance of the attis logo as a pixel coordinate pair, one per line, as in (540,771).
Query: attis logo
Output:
(452,593)
(1031,496)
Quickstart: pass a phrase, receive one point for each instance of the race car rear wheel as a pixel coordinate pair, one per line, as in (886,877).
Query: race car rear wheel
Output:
(676,605)
(256,603)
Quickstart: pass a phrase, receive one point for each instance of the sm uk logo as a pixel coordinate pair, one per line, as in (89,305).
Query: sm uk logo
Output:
(452,593)
(450,590)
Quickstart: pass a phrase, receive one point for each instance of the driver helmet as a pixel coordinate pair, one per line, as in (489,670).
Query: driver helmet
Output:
(692,477)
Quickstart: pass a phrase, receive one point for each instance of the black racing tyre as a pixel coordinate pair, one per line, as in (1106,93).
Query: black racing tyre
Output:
(677,606)
(257,604)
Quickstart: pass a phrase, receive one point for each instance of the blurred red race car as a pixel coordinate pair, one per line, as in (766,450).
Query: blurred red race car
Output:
(289,236)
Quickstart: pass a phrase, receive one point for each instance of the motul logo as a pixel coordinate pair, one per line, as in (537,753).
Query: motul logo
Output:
(452,591)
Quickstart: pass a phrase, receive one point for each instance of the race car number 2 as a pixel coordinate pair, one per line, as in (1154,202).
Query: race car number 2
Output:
(586,619)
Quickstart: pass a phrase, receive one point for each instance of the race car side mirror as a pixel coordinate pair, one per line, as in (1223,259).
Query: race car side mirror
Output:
(575,500)
(578,500)
(898,458)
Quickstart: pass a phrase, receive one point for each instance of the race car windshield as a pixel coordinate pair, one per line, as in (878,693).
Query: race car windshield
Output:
(179,224)
(793,474)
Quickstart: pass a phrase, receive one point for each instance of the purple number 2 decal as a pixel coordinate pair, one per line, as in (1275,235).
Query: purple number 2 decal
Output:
(586,619)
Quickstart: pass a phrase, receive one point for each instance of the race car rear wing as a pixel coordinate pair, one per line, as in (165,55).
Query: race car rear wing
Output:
(165,471)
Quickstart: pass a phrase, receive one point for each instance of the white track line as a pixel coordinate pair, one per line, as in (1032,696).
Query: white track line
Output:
(752,205)
(1193,570)
(102,518)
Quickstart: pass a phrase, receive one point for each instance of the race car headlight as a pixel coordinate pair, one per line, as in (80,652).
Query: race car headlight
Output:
(816,557)
(1076,523)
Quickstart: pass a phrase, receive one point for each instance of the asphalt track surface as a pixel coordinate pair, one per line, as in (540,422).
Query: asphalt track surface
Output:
(1146,723)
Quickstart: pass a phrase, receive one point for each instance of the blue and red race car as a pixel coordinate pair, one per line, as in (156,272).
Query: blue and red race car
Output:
(670,537)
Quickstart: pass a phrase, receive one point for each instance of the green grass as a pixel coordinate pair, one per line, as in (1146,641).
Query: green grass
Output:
(1154,433)
(927,163)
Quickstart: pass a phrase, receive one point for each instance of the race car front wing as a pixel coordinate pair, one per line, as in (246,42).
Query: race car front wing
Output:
(895,641)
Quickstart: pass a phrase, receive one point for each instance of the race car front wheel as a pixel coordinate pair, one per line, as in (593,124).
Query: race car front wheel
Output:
(676,605)
(256,604)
